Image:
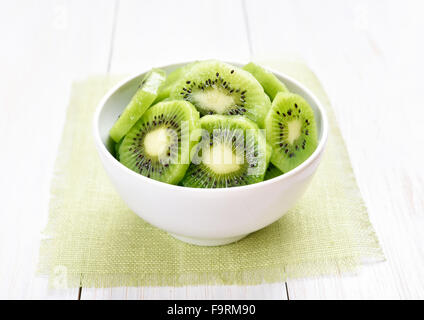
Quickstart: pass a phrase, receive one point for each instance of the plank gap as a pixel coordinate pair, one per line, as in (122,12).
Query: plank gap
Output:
(246,25)
(112,40)
(287,290)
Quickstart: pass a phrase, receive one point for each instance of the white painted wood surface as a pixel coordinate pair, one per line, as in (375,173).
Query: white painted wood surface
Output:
(368,55)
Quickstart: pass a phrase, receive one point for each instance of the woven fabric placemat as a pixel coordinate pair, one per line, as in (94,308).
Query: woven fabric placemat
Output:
(93,240)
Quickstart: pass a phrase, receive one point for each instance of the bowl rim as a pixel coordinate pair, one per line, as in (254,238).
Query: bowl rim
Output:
(102,148)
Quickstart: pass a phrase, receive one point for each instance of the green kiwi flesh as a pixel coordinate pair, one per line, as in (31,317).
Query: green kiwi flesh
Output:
(140,102)
(116,148)
(232,152)
(268,80)
(171,80)
(272,172)
(158,145)
(291,130)
(219,88)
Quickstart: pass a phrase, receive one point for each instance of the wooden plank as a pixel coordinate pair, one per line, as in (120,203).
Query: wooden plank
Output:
(156,33)
(45,45)
(265,291)
(368,57)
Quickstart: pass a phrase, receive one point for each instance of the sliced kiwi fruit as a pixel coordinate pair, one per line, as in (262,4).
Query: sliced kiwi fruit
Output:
(232,152)
(116,148)
(219,88)
(140,102)
(269,81)
(170,82)
(291,130)
(272,172)
(158,145)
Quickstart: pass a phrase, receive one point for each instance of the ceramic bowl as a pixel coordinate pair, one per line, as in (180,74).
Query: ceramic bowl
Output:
(207,217)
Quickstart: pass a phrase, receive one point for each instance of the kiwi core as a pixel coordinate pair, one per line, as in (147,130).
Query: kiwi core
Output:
(221,159)
(214,99)
(294,130)
(156,142)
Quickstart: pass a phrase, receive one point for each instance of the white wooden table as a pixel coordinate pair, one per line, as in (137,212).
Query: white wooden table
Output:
(368,54)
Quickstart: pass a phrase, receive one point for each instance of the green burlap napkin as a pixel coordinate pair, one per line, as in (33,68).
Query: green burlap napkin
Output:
(93,239)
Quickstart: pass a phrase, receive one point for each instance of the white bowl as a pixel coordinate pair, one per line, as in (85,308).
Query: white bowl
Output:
(208,217)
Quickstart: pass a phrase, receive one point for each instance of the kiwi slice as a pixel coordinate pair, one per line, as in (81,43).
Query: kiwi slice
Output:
(140,102)
(232,152)
(291,130)
(219,88)
(116,149)
(158,145)
(171,80)
(272,172)
(269,82)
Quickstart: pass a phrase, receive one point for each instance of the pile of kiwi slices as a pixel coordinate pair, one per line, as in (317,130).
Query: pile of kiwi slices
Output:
(209,124)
